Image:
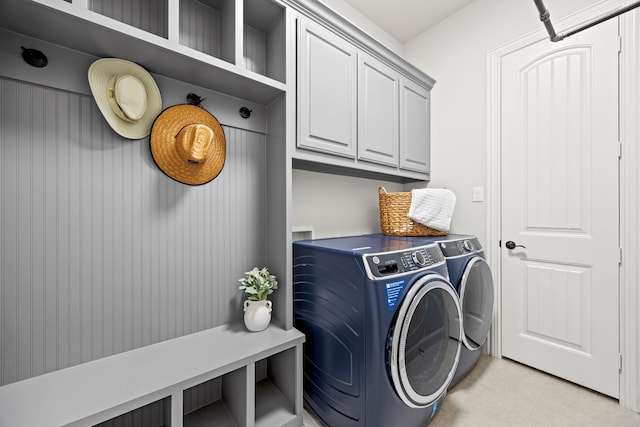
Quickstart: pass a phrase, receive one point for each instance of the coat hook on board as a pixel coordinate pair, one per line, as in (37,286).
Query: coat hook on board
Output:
(194,99)
(245,113)
(34,57)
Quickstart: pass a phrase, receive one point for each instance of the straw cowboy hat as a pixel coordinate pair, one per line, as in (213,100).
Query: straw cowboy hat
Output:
(188,144)
(126,94)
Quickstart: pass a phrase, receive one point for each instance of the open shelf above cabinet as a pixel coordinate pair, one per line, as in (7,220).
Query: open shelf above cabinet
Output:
(264,35)
(209,43)
(209,27)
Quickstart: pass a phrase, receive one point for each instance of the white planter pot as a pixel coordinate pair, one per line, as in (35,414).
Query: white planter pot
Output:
(257,315)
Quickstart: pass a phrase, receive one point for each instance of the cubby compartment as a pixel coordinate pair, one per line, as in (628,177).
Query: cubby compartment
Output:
(264,39)
(221,401)
(208,26)
(275,389)
(147,15)
(231,399)
(151,415)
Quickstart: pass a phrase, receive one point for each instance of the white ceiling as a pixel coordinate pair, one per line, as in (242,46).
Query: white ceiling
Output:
(405,19)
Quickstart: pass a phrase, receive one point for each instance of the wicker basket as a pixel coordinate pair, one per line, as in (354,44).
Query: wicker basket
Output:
(394,221)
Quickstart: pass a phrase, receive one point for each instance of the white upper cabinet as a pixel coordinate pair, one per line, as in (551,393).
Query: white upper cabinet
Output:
(378,101)
(359,110)
(415,113)
(327,91)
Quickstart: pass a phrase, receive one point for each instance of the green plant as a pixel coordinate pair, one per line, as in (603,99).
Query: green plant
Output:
(258,284)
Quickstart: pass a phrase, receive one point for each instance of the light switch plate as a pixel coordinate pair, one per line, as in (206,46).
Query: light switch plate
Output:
(478,194)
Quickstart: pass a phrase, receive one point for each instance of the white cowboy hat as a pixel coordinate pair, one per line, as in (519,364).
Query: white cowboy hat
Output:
(126,94)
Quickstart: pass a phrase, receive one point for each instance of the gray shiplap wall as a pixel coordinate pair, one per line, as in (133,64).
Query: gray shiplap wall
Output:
(200,28)
(254,50)
(100,252)
(148,15)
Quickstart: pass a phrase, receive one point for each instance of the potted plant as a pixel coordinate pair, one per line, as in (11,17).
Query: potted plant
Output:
(257,285)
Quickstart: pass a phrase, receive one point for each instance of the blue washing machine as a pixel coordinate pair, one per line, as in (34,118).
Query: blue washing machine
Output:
(383,330)
(471,276)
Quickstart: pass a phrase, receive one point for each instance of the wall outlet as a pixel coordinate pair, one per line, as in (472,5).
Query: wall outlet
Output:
(478,194)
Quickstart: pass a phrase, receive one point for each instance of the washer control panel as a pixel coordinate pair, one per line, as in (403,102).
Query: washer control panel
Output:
(398,262)
(452,248)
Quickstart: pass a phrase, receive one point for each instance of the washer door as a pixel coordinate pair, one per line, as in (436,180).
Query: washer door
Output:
(425,341)
(476,299)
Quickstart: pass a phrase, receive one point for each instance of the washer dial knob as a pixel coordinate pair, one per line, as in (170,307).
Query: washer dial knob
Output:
(418,258)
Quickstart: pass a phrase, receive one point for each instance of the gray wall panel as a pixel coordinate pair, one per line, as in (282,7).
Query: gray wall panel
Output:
(149,15)
(100,251)
(255,48)
(200,27)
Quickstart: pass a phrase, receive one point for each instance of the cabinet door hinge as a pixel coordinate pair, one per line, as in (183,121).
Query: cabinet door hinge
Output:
(620,360)
(620,256)
(619,149)
(619,44)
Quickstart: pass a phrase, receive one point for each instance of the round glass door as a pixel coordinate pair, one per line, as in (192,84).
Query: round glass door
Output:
(476,298)
(425,341)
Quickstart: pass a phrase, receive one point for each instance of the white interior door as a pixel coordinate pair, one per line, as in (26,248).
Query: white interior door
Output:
(560,156)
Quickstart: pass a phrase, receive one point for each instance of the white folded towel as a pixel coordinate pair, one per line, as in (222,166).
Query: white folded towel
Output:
(432,207)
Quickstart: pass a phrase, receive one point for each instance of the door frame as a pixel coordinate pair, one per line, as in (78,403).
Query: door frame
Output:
(629,209)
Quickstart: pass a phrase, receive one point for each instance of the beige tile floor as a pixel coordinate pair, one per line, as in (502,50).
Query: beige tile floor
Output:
(502,393)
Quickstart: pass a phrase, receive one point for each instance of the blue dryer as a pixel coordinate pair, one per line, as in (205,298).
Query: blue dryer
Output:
(471,276)
(383,330)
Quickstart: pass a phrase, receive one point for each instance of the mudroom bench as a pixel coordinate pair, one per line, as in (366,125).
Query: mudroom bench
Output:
(258,378)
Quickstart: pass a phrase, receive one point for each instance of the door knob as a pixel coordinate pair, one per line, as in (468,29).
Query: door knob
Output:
(512,245)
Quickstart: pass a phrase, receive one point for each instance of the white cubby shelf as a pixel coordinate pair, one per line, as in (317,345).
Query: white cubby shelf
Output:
(249,374)
(234,47)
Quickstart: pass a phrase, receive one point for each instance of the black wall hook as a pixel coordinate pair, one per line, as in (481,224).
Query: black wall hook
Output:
(245,113)
(194,99)
(34,57)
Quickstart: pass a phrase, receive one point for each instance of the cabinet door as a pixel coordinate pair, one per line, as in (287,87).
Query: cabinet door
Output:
(327,91)
(377,112)
(415,103)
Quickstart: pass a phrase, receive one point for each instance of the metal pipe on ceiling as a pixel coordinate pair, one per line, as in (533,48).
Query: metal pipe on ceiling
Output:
(545,17)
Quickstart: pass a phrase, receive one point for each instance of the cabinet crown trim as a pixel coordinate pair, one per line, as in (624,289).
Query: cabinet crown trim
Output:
(330,19)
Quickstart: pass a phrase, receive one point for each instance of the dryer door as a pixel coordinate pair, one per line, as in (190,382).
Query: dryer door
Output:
(425,341)
(476,299)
